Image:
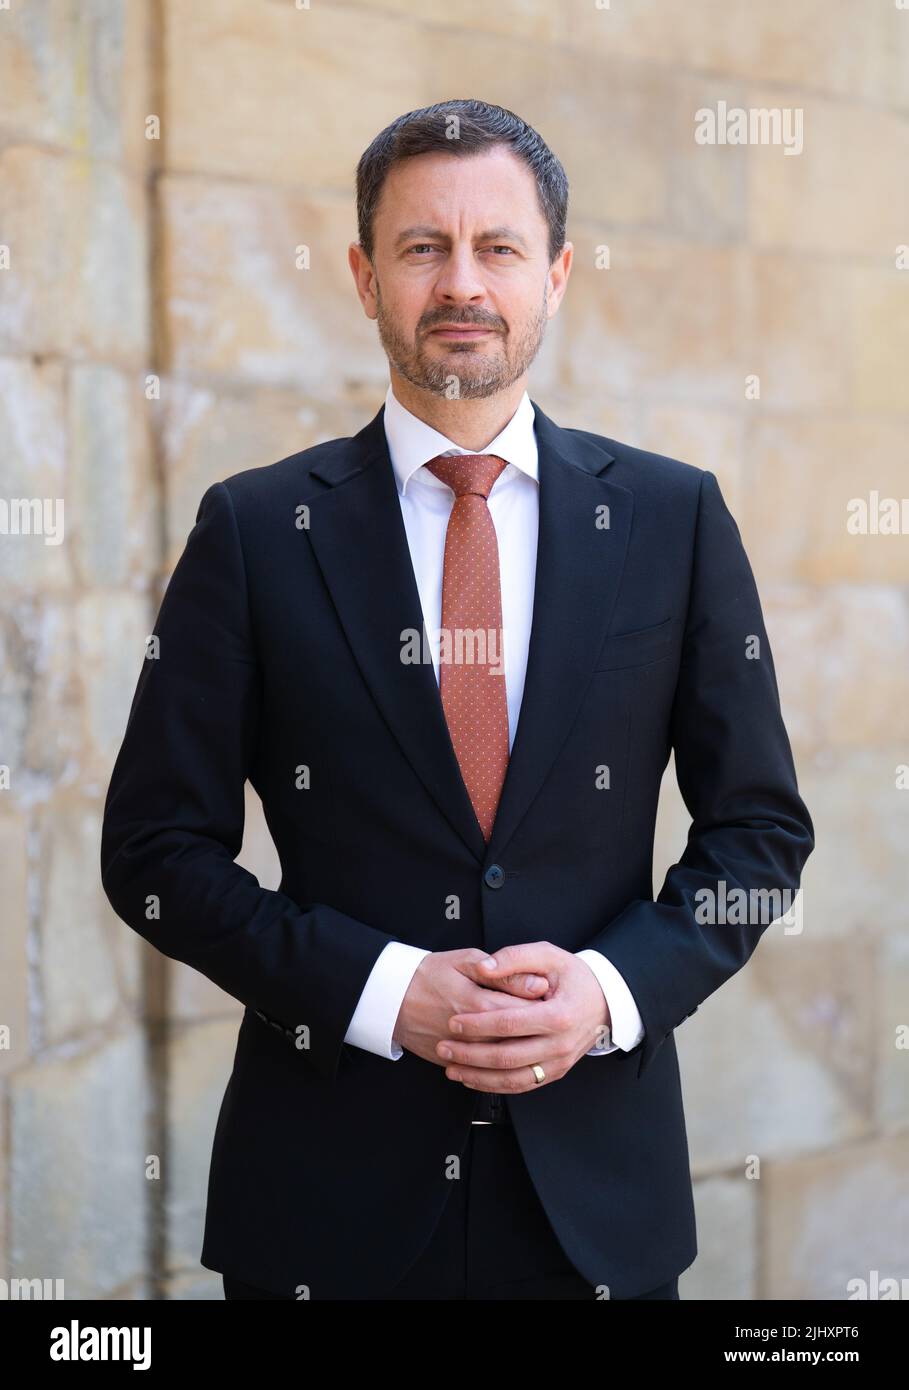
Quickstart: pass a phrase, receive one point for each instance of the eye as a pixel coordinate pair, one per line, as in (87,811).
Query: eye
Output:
(428,246)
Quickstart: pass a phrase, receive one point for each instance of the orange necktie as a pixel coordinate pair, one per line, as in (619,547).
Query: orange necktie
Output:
(471,670)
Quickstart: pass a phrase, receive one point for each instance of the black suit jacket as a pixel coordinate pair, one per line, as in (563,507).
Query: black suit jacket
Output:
(280,640)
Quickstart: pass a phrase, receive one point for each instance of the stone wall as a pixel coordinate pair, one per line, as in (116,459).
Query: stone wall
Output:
(159,164)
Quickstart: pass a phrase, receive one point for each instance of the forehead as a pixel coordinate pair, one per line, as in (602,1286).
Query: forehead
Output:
(493,186)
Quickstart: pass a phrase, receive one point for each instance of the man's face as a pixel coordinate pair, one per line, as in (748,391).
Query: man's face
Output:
(461,241)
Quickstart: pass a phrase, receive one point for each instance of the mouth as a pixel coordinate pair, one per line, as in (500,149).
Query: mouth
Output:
(460,333)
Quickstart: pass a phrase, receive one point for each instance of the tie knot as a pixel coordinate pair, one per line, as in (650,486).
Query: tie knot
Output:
(466,473)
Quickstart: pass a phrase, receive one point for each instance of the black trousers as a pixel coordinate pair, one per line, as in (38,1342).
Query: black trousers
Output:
(492,1241)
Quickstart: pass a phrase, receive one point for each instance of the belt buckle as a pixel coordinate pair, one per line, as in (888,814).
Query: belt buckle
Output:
(490,1105)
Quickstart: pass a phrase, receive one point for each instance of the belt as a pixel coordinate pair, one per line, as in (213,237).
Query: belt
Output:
(490,1110)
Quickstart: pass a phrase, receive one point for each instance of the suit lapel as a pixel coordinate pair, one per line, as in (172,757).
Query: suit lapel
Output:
(357,533)
(579,566)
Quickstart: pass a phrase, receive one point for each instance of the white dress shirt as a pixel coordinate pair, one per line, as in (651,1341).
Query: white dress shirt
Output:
(426,504)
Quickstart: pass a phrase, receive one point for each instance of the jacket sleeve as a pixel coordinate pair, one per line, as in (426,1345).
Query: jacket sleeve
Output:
(174,814)
(750,828)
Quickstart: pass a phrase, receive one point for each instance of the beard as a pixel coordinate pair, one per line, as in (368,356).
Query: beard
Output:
(473,372)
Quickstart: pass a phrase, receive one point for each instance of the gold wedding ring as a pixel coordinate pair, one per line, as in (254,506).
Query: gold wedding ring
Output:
(539,1073)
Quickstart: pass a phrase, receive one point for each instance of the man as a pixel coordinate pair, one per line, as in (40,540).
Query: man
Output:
(452,655)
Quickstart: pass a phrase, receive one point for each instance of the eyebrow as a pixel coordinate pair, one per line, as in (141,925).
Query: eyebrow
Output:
(491,234)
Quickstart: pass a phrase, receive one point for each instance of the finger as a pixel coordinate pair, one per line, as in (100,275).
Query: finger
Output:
(490,1000)
(534,958)
(487,1002)
(495,1055)
(528,985)
(502,1082)
(546,1016)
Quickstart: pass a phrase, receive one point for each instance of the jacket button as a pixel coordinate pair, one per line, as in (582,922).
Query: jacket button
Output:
(494,876)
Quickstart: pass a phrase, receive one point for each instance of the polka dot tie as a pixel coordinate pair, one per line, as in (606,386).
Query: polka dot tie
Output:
(472,666)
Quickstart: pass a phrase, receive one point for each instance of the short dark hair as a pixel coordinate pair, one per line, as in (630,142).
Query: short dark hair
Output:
(481,126)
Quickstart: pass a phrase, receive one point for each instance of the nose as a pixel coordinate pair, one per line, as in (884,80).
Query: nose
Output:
(459,280)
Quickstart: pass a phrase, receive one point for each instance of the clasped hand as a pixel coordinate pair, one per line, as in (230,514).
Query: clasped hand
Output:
(490,1024)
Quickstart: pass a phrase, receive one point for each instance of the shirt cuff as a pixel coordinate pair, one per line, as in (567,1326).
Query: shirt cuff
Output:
(627,1025)
(377,1010)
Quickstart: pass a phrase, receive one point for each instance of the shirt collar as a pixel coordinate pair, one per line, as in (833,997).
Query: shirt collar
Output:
(412,443)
